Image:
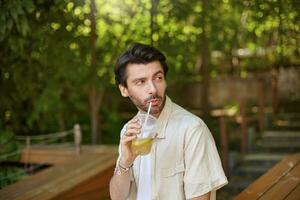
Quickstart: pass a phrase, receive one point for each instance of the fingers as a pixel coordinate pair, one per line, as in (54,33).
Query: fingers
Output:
(127,139)
(133,128)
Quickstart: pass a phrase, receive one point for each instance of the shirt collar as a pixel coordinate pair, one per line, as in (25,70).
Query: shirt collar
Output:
(163,118)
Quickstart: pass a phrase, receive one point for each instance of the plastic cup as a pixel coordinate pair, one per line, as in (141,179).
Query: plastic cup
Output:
(142,145)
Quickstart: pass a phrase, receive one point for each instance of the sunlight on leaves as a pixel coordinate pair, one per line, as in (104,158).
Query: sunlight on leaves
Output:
(55,26)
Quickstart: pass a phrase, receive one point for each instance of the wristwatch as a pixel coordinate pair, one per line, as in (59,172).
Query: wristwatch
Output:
(120,169)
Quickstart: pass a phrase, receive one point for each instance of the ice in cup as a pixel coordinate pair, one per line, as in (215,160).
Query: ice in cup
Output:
(142,145)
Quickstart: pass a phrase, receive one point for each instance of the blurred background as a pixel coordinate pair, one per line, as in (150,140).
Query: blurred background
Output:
(234,63)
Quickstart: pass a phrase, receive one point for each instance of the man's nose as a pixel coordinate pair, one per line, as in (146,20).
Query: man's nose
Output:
(152,87)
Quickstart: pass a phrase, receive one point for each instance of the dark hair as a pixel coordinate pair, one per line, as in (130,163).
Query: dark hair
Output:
(137,54)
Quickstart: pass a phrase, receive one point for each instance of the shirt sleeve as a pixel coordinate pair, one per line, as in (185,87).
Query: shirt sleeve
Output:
(203,168)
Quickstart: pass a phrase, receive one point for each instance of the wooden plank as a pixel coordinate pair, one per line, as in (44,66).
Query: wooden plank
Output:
(96,188)
(258,188)
(224,144)
(285,185)
(72,179)
(57,180)
(51,182)
(261,105)
(253,169)
(47,156)
(287,123)
(263,157)
(280,144)
(276,134)
(56,154)
(295,194)
(243,127)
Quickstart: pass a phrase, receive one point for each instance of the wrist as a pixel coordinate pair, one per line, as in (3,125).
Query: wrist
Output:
(125,163)
(125,168)
(120,169)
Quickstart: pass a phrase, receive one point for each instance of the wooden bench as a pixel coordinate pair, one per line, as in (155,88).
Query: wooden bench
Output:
(84,176)
(280,182)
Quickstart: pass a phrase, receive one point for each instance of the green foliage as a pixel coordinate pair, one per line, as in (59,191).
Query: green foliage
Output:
(8,145)
(9,151)
(111,125)
(10,175)
(14,23)
(45,71)
(42,80)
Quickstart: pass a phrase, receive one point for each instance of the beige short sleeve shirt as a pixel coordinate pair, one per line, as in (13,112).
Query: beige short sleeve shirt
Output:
(184,158)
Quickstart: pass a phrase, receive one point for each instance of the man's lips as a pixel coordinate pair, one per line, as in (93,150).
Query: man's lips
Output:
(155,102)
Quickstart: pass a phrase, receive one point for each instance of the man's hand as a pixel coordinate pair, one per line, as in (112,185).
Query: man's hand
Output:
(132,130)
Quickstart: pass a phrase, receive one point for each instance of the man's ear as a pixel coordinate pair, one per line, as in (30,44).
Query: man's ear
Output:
(123,90)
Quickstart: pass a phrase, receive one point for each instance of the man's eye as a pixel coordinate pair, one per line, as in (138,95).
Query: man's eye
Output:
(159,78)
(140,82)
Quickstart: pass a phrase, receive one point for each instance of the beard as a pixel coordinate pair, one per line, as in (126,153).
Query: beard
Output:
(143,105)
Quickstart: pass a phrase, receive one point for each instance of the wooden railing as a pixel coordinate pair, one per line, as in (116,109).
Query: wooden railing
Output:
(243,120)
(33,157)
(46,138)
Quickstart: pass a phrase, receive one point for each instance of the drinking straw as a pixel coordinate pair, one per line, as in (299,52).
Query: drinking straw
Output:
(148,112)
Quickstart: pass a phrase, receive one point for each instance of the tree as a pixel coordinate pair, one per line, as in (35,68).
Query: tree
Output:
(95,94)
(205,56)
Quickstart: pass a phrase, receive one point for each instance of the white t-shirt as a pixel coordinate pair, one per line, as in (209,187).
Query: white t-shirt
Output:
(144,185)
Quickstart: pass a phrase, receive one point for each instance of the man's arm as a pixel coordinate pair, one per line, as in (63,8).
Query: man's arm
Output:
(203,197)
(119,185)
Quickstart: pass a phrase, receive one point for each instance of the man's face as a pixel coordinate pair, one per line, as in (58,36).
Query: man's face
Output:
(146,83)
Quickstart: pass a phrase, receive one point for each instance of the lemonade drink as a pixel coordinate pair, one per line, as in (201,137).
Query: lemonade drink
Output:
(141,146)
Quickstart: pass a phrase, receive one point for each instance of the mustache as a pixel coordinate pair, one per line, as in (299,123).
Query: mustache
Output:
(153,97)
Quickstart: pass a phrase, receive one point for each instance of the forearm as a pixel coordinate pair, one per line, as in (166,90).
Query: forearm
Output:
(119,186)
